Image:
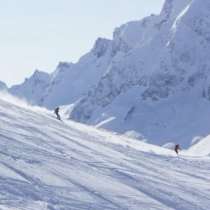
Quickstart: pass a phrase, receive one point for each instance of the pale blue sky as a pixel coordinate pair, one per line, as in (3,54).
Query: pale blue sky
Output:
(37,34)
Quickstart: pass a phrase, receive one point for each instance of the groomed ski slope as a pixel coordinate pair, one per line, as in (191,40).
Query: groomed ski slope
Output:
(47,164)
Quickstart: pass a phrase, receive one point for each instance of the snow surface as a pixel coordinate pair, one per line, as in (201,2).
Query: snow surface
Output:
(51,165)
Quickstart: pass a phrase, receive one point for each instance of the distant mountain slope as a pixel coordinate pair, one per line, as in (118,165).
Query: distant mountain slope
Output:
(32,88)
(71,81)
(48,164)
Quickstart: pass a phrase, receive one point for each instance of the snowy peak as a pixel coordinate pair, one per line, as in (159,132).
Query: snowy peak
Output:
(172,8)
(33,87)
(36,78)
(101,46)
(70,81)
(138,33)
(62,67)
(39,76)
(133,34)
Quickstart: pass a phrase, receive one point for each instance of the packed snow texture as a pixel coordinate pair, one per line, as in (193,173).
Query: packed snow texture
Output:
(151,79)
(51,165)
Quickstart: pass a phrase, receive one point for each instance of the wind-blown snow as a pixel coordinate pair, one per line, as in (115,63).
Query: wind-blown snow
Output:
(48,164)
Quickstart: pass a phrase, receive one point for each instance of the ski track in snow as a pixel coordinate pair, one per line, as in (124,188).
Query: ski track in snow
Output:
(52,165)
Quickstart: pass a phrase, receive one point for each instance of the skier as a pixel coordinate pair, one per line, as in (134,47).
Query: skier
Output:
(56,111)
(177,148)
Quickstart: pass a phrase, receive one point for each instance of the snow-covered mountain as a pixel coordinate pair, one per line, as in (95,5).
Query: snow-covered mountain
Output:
(152,79)
(160,87)
(69,82)
(32,88)
(47,164)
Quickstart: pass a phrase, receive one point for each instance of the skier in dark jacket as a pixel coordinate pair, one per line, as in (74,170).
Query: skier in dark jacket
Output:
(177,148)
(56,111)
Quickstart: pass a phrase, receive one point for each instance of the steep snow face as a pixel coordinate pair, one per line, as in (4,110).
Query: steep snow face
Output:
(191,39)
(32,89)
(3,86)
(138,33)
(172,8)
(71,81)
(47,164)
(169,61)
